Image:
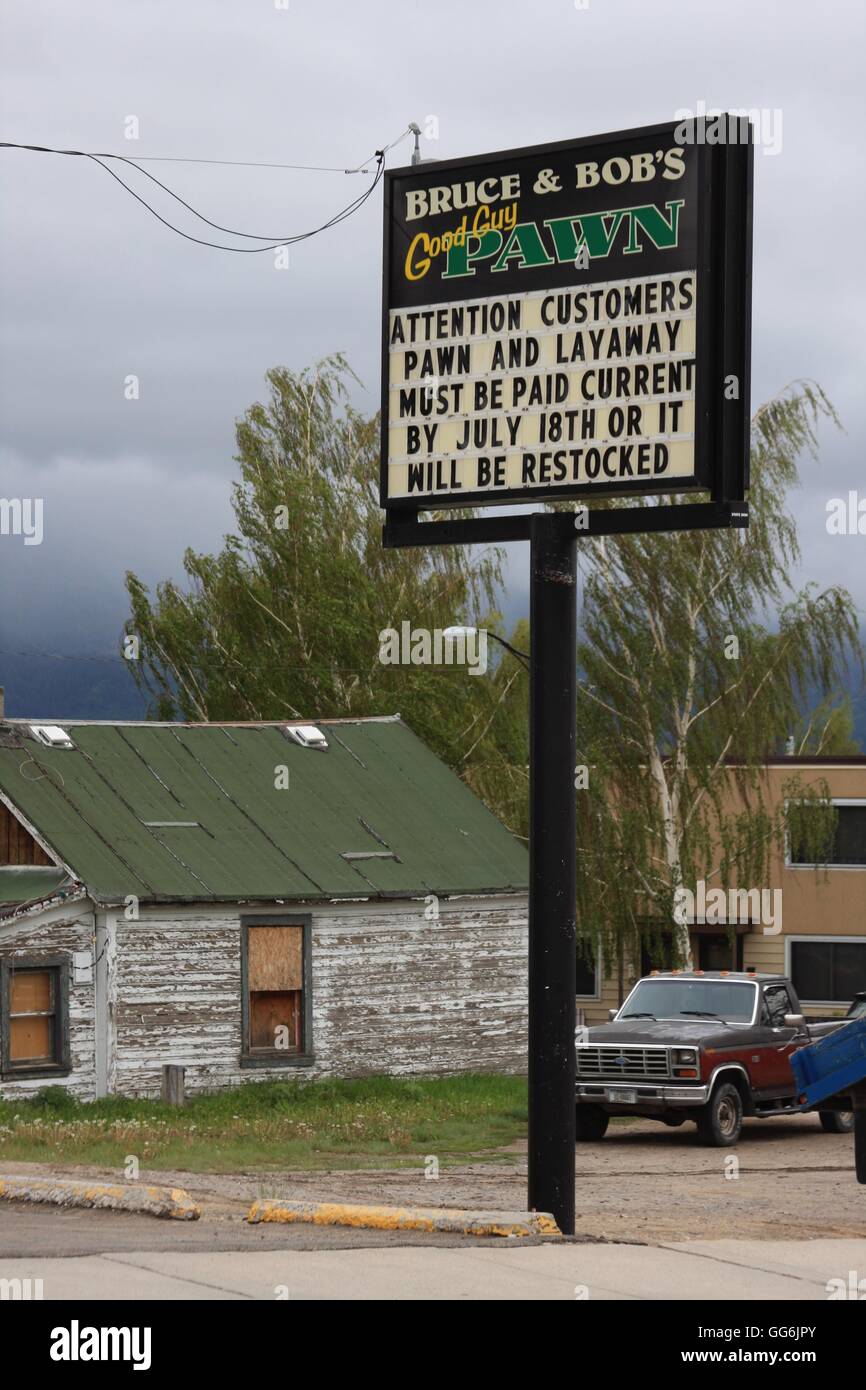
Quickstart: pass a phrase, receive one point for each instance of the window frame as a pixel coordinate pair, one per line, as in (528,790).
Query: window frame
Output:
(775,987)
(598,976)
(820,940)
(59,966)
(278,1057)
(838,801)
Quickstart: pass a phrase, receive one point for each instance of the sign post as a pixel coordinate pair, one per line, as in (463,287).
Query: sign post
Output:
(552,869)
(563,323)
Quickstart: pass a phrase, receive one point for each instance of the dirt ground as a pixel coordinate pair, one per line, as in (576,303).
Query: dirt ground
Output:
(642,1182)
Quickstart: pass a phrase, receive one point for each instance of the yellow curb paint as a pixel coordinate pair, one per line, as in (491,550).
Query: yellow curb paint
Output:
(170,1202)
(380,1218)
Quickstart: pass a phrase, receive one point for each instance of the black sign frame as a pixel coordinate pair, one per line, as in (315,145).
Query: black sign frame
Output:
(723,327)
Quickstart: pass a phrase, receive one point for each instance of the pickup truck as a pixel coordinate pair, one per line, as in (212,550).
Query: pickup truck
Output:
(706,1045)
(858,1006)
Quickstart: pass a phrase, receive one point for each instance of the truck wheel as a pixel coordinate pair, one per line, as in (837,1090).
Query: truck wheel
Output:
(721,1119)
(836,1121)
(591,1122)
(860,1144)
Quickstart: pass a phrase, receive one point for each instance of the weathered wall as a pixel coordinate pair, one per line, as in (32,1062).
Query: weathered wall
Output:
(392,992)
(58,933)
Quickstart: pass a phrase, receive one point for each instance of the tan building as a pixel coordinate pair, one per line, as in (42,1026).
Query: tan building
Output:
(815,928)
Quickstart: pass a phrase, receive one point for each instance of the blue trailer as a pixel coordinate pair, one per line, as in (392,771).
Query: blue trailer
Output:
(832,1072)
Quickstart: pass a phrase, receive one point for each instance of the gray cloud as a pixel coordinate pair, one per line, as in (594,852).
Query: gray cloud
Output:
(93,289)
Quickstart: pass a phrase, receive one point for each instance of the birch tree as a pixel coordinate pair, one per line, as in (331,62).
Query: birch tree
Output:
(700,658)
(283,622)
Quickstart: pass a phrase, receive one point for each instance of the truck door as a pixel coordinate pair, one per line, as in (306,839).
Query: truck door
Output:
(776,1070)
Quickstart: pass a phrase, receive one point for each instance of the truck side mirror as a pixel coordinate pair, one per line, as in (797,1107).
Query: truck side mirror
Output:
(611,1015)
(794,1021)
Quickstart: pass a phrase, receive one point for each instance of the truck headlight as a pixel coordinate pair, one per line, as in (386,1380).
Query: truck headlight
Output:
(685,1056)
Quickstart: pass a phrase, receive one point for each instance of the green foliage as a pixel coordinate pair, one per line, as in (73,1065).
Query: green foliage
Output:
(284,621)
(687,690)
(699,658)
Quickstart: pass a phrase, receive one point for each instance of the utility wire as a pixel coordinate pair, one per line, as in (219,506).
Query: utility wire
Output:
(309,666)
(235,163)
(274,242)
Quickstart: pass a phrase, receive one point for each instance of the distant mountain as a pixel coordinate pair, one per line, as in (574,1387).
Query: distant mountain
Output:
(43,687)
(101,687)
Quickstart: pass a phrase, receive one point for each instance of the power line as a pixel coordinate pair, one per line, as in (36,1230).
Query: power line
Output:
(234,163)
(307,666)
(274,242)
(361,168)
(64,656)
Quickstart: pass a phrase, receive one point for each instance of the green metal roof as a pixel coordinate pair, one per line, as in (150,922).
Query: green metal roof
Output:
(28,883)
(187,812)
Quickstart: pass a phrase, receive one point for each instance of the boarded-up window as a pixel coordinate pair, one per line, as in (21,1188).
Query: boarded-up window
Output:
(32,1017)
(275,980)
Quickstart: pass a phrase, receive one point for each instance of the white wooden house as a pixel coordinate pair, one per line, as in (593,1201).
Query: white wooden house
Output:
(250,900)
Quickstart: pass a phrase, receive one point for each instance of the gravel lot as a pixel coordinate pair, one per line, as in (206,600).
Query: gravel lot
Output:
(642,1182)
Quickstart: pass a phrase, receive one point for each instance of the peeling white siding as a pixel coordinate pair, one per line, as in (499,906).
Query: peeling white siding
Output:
(55,935)
(392,992)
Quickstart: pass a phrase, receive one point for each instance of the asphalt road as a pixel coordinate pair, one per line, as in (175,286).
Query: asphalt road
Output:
(659,1217)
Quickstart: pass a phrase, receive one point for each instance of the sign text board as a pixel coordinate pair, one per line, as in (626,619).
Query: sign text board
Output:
(563,320)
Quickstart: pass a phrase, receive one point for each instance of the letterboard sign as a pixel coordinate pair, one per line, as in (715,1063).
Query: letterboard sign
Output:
(567,320)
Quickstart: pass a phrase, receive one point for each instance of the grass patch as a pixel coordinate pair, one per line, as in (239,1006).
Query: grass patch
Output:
(274,1125)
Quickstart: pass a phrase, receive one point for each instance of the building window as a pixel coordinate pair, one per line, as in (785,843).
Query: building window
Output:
(827,971)
(34,1013)
(717,951)
(656,950)
(586,983)
(848,846)
(276,1008)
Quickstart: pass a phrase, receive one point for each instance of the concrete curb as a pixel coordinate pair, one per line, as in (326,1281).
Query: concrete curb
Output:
(449,1219)
(63,1192)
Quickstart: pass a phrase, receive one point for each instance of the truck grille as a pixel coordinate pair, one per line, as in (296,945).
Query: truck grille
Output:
(618,1062)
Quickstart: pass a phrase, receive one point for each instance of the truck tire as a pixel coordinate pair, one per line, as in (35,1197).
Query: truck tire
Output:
(591,1123)
(721,1119)
(860,1144)
(836,1121)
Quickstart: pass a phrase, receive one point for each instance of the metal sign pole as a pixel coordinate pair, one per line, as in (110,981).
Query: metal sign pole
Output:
(512,373)
(552,869)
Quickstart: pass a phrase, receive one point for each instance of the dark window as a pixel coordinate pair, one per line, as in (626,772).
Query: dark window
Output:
(717,951)
(828,971)
(656,951)
(849,841)
(776,1003)
(34,1016)
(276,1010)
(586,983)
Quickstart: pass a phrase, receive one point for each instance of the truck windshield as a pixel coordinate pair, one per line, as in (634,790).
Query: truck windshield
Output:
(726,999)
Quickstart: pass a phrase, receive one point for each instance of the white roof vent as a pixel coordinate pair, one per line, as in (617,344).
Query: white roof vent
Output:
(51,735)
(307,735)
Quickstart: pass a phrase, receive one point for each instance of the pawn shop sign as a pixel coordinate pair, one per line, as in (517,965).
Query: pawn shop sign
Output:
(569,319)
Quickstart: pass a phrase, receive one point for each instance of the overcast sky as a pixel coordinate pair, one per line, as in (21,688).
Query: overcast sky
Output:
(94,289)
